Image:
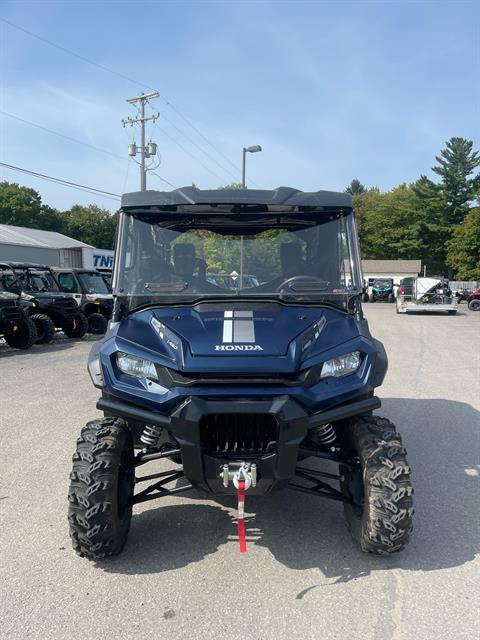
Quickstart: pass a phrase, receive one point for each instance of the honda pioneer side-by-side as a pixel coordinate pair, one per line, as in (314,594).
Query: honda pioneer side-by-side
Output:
(248,388)
(17,329)
(92,294)
(48,307)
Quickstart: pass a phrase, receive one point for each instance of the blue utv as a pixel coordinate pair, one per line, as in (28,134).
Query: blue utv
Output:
(382,290)
(245,387)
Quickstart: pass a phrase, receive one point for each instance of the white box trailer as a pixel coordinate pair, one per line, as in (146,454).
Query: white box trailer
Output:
(428,295)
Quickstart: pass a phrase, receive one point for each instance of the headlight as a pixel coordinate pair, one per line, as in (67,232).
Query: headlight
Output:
(136,367)
(341,366)
(95,371)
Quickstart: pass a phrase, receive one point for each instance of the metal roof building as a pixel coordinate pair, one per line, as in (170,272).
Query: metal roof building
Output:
(45,247)
(396,269)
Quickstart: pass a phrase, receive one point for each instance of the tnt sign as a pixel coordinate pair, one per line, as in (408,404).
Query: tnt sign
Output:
(102,261)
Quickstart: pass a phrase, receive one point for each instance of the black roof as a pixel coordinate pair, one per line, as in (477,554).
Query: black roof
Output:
(74,269)
(25,265)
(282,198)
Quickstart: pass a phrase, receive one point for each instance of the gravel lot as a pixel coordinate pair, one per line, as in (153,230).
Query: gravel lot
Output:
(181,575)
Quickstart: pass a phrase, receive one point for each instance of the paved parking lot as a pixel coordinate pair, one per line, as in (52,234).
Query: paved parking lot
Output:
(181,575)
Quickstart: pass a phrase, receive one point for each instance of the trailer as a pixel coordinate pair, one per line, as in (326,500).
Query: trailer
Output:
(428,295)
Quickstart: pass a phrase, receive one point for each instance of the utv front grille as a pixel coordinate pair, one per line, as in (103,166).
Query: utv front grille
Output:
(232,434)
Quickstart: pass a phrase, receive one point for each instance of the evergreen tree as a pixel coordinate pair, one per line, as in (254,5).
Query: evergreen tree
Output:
(464,247)
(356,188)
(459,185)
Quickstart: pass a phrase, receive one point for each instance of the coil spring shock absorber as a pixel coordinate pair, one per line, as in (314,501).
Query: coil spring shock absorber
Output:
(324,435)
(150,435)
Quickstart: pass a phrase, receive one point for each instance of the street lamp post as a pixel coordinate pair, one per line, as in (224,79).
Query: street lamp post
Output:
(255,149)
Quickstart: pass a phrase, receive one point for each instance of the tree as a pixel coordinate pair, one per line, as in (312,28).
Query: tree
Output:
(22,207)
(464,248)
(397,225)
(233,185)
(435,230)
(19,205)
(459,185)
(390,228)
(361,203)
(92,225)
(356,188)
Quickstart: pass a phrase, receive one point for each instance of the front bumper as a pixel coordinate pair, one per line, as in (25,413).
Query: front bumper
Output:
(203,470)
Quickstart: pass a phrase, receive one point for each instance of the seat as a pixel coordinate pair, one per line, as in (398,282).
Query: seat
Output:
(291,259)
(184,259)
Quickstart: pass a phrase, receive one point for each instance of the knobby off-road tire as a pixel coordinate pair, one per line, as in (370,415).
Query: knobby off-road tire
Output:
(45,328)
(75,327)
(101,488)
(97,324)
(371,297)
(474,305)
(380,520)
(24,336)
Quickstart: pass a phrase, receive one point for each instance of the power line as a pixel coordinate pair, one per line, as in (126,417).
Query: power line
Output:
(70,139)
(73,53)
(119,75)
(180,145)
(199,147)
(178,112)
(66,183)
(61,135)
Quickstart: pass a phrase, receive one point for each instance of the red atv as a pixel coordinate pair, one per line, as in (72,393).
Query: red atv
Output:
(473,300)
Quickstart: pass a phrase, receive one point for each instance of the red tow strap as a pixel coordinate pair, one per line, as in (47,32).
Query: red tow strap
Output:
(241,515)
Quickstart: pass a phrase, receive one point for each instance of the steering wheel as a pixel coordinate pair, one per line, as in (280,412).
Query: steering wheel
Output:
(287,285)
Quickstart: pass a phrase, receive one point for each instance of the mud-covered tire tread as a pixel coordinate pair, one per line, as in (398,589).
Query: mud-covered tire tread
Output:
(45,328)
(97,530)
(385,524)
(80,330)
(24,337)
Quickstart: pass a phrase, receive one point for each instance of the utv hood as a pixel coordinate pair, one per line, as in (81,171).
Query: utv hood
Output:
(276,337)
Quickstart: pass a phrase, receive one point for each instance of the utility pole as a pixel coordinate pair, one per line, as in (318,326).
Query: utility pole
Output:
(151,148)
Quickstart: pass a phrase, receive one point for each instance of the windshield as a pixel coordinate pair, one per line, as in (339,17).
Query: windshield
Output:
(382,283)
(108,280)
(6,281)
(299,258)
(93,282)
(28,280)
(37,280)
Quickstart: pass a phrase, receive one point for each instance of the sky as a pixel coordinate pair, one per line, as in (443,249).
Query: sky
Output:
(331,91)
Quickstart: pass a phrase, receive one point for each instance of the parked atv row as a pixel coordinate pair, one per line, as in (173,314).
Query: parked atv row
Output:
(34,304)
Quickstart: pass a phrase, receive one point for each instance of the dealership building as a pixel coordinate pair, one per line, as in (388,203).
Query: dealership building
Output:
(396,269)
(19,244)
